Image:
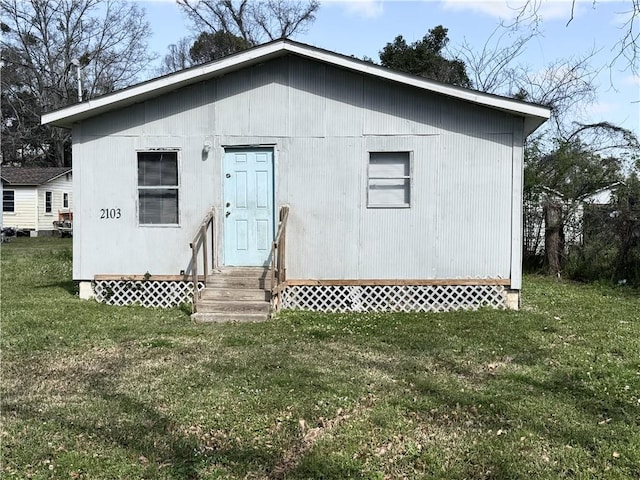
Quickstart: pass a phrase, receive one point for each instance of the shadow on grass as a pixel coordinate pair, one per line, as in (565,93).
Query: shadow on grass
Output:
(164,448)
(69,286)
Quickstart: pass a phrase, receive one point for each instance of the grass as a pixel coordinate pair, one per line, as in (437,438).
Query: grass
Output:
(97,392)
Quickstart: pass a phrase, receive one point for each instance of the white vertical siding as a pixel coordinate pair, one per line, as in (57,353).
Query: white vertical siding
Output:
(322,123)
(517,205)
(307,100)
(344,104)
(399,111)
(233,104)
(80,146)
(167,113)
(325,198)
(474,207)
(268,95)
(128,121)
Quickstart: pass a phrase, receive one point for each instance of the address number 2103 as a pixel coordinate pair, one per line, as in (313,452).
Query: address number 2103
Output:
(109,213)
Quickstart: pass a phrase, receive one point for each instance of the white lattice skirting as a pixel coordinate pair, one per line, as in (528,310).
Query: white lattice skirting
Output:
(392,298)
(147,293)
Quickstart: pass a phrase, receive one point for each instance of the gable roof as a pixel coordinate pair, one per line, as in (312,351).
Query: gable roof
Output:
(534,115)
(31,175)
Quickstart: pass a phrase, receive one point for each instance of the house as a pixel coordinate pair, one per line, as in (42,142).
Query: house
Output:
(381,190)
(33,198)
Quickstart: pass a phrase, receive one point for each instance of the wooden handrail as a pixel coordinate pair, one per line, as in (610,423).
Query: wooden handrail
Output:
(200,240)
(278,251)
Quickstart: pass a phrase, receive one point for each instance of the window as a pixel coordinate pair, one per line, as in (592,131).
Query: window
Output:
(65,200)
(48,202)
(8,201)
(158,188)
(389,182)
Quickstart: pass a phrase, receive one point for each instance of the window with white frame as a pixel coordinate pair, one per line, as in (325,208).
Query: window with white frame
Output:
(158,188)
(389,180)
(8,201)
(65,200)
(48,202)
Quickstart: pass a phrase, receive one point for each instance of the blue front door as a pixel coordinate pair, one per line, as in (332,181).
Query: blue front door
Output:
(248,206)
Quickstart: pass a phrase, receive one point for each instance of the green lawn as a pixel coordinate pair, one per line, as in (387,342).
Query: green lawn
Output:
(97,392)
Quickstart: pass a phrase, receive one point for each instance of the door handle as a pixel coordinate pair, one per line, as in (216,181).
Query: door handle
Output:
(227,214)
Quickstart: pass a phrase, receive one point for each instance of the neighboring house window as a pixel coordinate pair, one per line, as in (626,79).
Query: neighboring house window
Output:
(65,200)
(389,179)
(48,202)
(8,201)
(158,188)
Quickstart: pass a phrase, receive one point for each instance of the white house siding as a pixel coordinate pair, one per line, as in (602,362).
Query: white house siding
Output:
(58,187)
(25,214)
(322,122)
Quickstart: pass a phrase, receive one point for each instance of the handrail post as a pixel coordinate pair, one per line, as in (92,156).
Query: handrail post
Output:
(283,248)
(273,265)
(214,231)
(194,275)
(201,241)
(205,257)
(278,254)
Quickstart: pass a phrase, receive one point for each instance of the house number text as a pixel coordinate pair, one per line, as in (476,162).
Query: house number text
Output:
(107,213)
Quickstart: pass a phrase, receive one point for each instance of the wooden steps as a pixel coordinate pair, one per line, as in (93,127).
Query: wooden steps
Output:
(235,294)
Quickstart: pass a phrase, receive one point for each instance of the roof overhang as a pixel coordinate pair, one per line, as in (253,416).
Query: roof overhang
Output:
(534,115)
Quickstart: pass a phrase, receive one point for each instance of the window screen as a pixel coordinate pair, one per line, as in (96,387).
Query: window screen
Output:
(158,188)
(389,182)
(8,201)
(65,200)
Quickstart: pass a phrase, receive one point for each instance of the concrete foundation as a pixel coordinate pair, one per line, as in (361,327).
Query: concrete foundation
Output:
(85,290)
(40,233)
(512,301)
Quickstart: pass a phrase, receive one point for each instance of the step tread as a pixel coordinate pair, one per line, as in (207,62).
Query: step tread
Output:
(241,272)
(239,294)
(237,279)
(234,306)
(207,317)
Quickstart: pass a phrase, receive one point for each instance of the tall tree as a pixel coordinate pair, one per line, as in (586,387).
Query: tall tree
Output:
(253,21)
(426,58)
(212,46)
(206,48)
(43,43)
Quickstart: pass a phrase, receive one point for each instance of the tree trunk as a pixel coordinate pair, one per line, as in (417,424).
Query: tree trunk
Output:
(554,237)
(60,140)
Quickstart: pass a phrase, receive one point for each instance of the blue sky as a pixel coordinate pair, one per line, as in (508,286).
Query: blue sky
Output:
(363,27)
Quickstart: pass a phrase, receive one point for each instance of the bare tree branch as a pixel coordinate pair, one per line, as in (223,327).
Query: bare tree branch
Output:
(40,40)
(627,47)
(253,21)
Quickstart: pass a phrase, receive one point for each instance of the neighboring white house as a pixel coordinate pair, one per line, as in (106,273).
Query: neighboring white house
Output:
(572,213)
(33,198)
(394,183)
